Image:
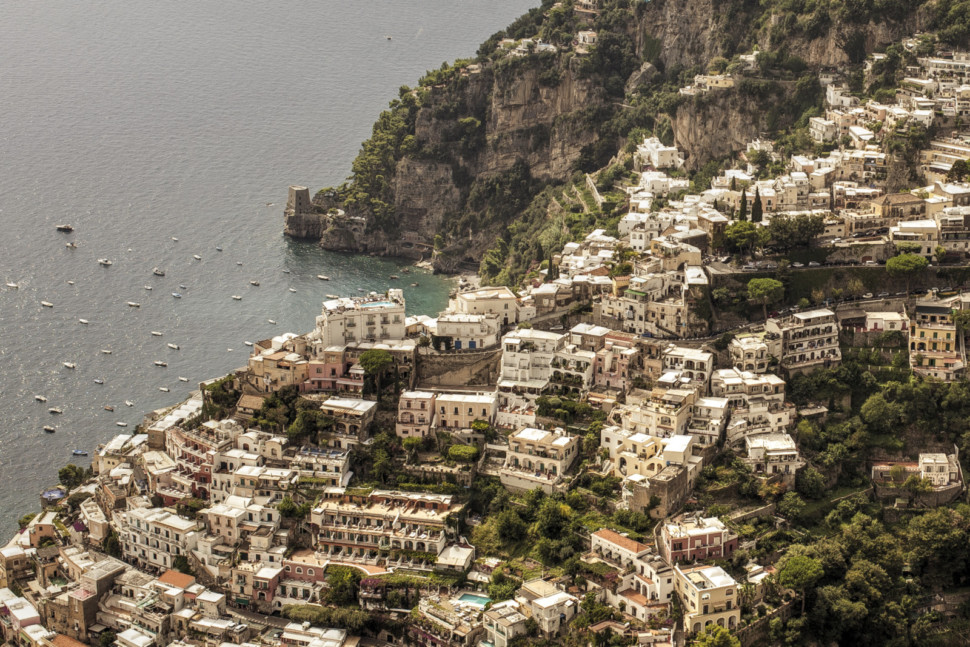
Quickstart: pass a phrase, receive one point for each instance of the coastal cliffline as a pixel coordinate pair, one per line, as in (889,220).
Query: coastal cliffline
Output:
(454,162)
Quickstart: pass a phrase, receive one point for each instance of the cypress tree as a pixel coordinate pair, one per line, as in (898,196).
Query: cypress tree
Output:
(743,209)
(756,206)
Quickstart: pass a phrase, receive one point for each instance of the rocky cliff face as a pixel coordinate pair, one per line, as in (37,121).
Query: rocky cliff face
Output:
(478,127)
(539,112)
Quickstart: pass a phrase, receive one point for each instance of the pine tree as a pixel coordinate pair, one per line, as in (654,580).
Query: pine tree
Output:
(743,209)
(756,206)
(832,197)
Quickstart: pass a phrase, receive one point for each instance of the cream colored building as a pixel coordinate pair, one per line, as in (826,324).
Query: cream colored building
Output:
(708,596)
(351,319)
(538,458)
(415,413)
(459,410)
(499,301)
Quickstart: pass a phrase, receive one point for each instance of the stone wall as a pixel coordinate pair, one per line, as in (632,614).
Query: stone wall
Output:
(464,369)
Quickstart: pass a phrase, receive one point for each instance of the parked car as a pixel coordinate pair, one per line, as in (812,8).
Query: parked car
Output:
(867,295)
(883,295)
(797,265)
(813,264)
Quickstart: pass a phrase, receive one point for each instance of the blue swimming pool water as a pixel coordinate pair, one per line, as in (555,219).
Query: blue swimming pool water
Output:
(480,600)
(374,304)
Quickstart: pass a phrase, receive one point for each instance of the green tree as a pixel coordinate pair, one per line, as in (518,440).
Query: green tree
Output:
(107,638)
(906,267)
(509,526)
(939,253)
(716,636)
(809,482)
(343,584)
(765,291)
(463,453)
(855,287)
(958,171)
(71,476)
(756,207)
(789,232)
(745,237)
(880,415)
(791,506)
(375,363)
(800,572)
(743,207)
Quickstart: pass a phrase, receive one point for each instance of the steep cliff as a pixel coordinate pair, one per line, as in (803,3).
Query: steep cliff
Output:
(453,163)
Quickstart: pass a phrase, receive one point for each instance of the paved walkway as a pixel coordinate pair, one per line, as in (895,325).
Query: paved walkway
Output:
(251,617)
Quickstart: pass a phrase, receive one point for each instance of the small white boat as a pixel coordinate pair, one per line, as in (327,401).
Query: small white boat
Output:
(237,297)
(173,346)
(49,429)
(47,304)
(105,351)
(272,321)
(121,424)
(104,261)
(108,407)
(70,282)
(160,363)
(218,249)
(292,289)
(183,379)
(414,285)
(156,333)
(40,398)
(228,350)
(286,271)
(158,272)
(71,245)
(238,262)
(182,287)
(132,304)
(197,257)
(83,321)
(248,343)
(175,239)
(12,286)
(98,380)
(79,452)
(56,410)
(129,403)
(70,365)
(323,277)
(333,296)
(256,283)
(163,389)
(148,287)
(177,295)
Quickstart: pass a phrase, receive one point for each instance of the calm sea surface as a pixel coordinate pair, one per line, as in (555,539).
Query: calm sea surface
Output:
(137,122)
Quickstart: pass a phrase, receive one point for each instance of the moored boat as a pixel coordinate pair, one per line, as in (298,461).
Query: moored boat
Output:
(70,365)
(159,362)
(173,346)
(47,304)
(133,304)
(64,227)
(50,429)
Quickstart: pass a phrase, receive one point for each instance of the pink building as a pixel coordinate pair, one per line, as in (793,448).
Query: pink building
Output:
(613,363)
(691,538)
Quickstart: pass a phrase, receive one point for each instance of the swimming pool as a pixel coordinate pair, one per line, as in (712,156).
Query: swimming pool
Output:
(375,304)
(471,598)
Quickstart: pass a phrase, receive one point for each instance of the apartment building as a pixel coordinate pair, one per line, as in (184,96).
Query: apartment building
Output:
(499,301)
(355,527)
(805,341)
(351,319)
(749,353)
(708,420)
(415,413)
(925,234)
(152,538)
(455,411)
(708,596)
(538,458)
(773,454)
(352,419)
(667,412)
(467,331)
(194,451)
(692,537)
(742,387)
(935,349)
(652,152)
(526,367)
(691,363)
(616,363)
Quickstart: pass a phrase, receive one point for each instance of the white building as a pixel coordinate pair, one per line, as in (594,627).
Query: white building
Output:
(654,153)
(468,331)
(538,459)
(153,538)
(352,319)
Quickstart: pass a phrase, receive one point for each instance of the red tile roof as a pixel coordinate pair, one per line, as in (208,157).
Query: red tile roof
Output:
(623,542)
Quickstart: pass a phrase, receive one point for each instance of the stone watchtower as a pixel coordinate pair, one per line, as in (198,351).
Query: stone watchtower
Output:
(300,217)
(299,201)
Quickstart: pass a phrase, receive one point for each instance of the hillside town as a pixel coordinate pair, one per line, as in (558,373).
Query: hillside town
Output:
(612,450)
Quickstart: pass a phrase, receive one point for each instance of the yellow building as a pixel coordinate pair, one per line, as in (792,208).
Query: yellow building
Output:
(934,349)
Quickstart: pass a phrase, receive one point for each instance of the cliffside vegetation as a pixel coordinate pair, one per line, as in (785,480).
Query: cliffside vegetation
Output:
(485,160)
